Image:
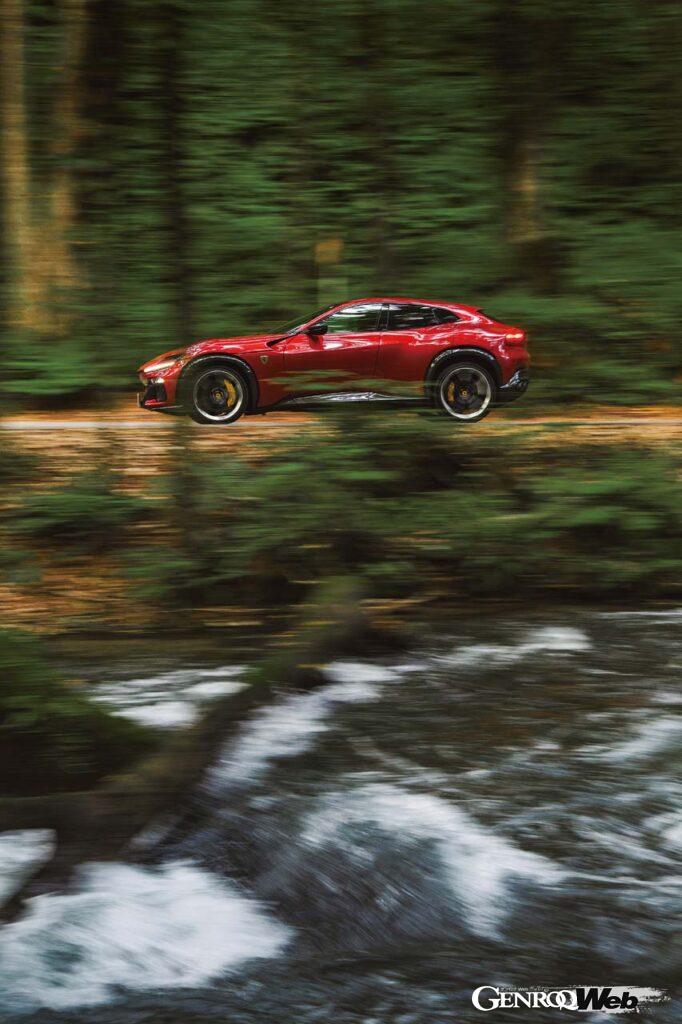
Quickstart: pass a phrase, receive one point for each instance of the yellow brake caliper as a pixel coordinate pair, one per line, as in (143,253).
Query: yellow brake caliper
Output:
(231,393)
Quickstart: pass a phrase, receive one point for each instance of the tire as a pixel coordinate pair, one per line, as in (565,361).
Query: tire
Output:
(465,391)
(216,395)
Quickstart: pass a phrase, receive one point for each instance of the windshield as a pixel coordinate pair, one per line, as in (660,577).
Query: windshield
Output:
(299,321)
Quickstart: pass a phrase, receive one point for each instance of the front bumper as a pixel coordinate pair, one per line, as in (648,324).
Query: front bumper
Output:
(158,395)
(152,396)
(516,386)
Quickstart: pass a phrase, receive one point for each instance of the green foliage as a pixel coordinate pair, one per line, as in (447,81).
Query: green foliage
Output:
(34,367)
(617,518)
(404,504)
(15,466)
(51,736)
(518,156)
(17,566)
(86,514)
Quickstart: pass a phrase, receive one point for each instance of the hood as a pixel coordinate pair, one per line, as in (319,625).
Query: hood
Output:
(242,343)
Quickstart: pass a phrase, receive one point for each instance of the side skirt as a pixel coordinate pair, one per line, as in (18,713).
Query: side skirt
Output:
(301,403)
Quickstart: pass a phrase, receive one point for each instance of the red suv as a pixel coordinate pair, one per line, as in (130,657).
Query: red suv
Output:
(451,356)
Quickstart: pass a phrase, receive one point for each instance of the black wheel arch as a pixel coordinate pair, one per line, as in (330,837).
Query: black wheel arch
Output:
(217,359)
(478,356)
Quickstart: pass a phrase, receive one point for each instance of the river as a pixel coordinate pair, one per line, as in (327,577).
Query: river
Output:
(500,806)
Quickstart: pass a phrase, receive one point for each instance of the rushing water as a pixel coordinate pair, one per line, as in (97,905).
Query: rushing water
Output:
(503,806)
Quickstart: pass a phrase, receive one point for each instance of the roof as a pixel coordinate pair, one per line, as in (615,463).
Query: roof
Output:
(410,298)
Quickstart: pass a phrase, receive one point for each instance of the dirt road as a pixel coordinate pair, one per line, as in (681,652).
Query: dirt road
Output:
(141,441)
(125,416)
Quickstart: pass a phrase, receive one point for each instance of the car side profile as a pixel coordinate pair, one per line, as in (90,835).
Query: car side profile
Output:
(412,352)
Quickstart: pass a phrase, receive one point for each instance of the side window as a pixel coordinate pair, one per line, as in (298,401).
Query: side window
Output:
(364,317)
(410,317)
(445,316)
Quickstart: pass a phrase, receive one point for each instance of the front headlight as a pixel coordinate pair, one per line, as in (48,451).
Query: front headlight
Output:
(166,364)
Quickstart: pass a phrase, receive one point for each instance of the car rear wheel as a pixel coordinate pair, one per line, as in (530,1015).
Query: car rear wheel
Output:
(216,394)
(465,391)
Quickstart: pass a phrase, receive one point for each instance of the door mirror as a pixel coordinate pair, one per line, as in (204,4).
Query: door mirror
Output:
(316,330)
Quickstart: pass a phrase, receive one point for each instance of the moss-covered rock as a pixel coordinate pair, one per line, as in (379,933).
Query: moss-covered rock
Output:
(52,737)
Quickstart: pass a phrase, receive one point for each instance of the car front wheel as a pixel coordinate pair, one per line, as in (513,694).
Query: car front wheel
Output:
(216,394)
(465,391)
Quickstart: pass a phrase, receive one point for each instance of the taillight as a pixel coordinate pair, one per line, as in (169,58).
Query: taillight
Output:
(515,337)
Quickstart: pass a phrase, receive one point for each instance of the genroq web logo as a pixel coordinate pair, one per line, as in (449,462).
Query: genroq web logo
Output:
(582,998)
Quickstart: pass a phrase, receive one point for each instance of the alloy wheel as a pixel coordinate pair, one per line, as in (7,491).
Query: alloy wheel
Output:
(218,394)
(465,392)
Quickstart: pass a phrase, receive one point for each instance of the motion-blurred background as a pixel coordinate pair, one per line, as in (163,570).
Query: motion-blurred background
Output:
(173,170)
(361,710)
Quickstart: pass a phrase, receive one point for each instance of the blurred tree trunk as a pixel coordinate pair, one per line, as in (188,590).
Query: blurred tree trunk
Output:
(67,131)
(39,245)
(171,56)
(298,278)
(300,270)
(378,143)
(526,49)
(14,161)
